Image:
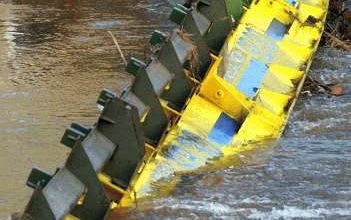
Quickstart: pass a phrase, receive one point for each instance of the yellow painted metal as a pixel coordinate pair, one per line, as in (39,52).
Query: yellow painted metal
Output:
(262,117)
(106,180)
(70,217)
(282,79)
(219,92)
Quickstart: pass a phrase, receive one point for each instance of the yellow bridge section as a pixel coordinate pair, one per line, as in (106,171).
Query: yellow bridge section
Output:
(246,96)
(186,110)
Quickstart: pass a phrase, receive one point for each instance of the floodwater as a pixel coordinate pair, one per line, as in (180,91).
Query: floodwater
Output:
(55,57)
(307,176)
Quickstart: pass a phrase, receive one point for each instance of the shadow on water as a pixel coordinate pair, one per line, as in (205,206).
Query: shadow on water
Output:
(55,56)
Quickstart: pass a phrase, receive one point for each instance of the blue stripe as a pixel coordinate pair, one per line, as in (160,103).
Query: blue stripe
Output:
(293,2)
(276,30)
(223,131)
(252,78)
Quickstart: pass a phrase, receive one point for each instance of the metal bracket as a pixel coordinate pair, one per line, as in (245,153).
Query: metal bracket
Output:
(155,121)
(127,134)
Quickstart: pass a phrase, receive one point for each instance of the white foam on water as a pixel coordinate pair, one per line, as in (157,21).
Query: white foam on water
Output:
(257,200)
(211,207)
(291,212)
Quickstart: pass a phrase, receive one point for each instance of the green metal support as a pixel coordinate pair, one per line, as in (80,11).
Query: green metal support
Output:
(235,9)
(155,122)
(178,15)
(57,198)
(38,178)
(222,22)
(157,37)
(196,26)
(174,54)
(71,136)
(115,145)
(120,123)
(85,161)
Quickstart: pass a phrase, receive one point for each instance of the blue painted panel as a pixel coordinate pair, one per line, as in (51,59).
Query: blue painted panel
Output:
(199,144)
(258,45)
(223,131)
(176,153)
(182,157)
(276,30)
(252,78)
(293,2)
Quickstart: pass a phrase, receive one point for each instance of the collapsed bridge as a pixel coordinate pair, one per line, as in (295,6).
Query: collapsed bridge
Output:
(224,80)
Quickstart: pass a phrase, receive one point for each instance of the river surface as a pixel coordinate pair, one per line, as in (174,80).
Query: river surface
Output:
(55,57)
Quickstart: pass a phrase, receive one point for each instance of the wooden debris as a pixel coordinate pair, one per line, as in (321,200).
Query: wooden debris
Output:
(118,47)
(338,28)
(336,42)
(313,86)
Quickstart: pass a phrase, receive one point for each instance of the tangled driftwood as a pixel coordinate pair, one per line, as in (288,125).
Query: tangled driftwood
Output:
(338,28)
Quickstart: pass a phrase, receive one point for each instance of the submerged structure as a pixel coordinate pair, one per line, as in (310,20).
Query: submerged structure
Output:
(224,81)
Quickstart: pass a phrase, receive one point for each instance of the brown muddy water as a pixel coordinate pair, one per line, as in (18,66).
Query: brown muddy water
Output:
(55,57)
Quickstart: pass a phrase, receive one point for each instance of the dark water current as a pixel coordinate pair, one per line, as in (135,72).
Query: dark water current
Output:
(55,56)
